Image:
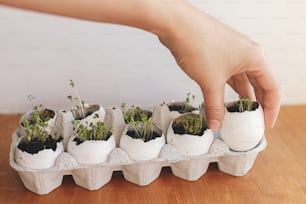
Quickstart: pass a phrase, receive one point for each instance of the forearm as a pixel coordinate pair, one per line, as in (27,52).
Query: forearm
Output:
(208,51)
(152,15)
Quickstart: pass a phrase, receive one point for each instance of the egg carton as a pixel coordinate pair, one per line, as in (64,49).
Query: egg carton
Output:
(93,177)
(141,173)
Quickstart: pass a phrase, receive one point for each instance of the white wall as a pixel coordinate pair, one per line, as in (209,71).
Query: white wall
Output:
(39,53)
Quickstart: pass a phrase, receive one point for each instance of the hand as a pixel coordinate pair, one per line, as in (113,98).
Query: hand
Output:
(210,52)
(213,54)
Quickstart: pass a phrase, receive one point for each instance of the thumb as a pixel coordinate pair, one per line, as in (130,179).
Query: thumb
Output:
(214,105)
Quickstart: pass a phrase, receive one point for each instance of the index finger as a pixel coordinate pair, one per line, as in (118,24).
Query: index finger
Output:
(267,91)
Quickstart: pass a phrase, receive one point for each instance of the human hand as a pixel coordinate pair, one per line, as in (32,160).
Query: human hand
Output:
(213,54)
(210,52)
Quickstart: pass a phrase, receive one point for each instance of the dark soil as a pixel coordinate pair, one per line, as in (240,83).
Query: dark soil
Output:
(133,134)
(178,127)
(179,106)
(36,145)
(79,141)
(234,107)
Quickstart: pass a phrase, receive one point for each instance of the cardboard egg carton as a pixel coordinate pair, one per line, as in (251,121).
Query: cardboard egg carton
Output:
(93,177)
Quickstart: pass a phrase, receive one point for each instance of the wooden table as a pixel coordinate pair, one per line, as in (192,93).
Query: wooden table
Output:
(278,176)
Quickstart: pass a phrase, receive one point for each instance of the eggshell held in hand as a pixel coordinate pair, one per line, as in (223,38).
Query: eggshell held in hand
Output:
(242,131)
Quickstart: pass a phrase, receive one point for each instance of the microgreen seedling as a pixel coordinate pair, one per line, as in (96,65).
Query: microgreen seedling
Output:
(245,104)
(188,101)
(37,129)
(183,106)
(194,124)
(96,130)
(189,123)
(143,127)
(80,107)
(134,113)
(36,126)
(139,120)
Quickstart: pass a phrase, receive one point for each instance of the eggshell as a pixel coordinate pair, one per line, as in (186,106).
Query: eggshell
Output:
(137,149)
(162,116)
(63,123)
(243,131)
(191,145)
(42,160)
(91,151)
(90,119)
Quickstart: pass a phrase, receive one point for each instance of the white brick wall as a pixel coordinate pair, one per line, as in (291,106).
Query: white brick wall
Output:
(39,53)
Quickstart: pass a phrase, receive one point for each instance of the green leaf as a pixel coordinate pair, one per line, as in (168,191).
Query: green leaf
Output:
(71,83)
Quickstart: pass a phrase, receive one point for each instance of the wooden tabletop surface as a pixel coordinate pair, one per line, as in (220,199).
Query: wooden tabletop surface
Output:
(278,175)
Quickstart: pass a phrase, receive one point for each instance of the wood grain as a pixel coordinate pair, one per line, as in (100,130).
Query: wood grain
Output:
(278,176)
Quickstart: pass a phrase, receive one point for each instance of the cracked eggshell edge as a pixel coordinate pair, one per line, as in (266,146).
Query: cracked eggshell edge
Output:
(91,151)
(191,145)
(44,159)
(137,149)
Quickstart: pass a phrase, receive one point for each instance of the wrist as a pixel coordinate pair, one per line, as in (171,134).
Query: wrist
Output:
(165,19)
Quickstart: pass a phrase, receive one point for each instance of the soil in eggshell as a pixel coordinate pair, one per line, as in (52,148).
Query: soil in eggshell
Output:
(36,145)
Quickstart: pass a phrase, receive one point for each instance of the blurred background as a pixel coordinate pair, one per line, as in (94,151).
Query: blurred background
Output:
(40,53)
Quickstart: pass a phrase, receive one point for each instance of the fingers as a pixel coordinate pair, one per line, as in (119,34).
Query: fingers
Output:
(214,105)
(268,94)
(266,89)
(241,84)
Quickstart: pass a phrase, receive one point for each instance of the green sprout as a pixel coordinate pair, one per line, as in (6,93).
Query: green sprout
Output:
(188,101)
(194,124)
(34,107)
(96,130)
(31,98)
(36,127)
(143,128)
(183,106)
(80,107)
(134,113)
(139,120)
(245,104)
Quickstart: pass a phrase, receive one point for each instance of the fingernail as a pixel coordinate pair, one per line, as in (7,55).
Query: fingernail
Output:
(214,124)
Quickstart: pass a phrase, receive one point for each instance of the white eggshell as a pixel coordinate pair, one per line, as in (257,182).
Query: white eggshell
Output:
(42,160)
(162,116)
(90,119)
(91,151)
(191,145)
(64,127)
(243,131)
(137,149)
